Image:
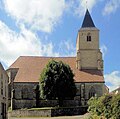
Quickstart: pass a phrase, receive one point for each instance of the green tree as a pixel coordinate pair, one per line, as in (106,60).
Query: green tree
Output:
(56,82)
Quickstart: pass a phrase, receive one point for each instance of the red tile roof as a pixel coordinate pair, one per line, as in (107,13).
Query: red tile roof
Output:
(30,68)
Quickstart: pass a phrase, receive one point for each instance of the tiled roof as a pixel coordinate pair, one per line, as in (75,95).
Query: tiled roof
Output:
(30,68)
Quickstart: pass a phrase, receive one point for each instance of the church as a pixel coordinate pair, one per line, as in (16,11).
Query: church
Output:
(87,67)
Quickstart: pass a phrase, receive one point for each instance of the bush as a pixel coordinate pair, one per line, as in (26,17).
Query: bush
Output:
(115,105)
(107,106)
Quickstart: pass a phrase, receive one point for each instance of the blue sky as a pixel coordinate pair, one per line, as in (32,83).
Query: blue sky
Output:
(49,28)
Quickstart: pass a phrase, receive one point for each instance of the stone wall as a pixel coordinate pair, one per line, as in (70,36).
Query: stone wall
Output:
(30,113)
(89,59)
(22,95)
(83,92)
(88,52)
(48,112)
(27,100)
(24,90)
(69,111)
(83,43)
(99,89)
(22,104)
(54,103)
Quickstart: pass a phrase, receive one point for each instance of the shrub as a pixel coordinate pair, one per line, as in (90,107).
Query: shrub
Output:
(107,106)
(115,105)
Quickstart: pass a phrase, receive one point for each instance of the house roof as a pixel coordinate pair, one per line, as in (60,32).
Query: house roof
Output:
(30,67)
(87,22)
(116,91)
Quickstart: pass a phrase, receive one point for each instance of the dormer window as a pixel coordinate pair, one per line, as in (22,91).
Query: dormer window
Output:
(88,37)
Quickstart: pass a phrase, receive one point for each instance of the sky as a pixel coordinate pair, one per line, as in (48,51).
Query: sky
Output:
(50,27)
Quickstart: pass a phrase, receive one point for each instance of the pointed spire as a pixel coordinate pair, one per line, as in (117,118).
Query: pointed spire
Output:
(87,22)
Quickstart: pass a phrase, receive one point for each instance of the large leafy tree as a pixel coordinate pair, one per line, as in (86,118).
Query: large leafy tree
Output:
(56,82)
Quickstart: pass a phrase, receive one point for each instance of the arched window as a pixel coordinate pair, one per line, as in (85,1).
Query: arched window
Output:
(88,37)
(92,92)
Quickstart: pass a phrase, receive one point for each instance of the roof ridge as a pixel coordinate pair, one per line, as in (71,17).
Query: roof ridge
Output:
(14,62)
(49,56)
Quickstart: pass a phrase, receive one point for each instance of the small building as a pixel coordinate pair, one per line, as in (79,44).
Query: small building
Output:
(116,91)
(3,93)
(87,66)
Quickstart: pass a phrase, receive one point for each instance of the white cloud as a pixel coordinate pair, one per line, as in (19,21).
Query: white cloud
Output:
(103,50)
(13,45)
(82,5)
(113,80)
(37,14)
(111,7)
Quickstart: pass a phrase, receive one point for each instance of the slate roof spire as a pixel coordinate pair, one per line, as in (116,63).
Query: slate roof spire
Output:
(87,22)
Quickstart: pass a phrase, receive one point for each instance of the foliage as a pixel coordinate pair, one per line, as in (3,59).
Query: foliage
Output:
(56,81)
(105,107)
(115,105)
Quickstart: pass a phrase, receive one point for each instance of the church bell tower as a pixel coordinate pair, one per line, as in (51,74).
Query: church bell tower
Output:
(89,55)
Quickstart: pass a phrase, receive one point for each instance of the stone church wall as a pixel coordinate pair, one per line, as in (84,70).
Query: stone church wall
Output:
(22,104)
(24,90)
(83,90)
(83,44)
(99,89)
(24,95)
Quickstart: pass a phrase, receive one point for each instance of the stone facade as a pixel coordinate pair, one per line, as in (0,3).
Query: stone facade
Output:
(86,90)
(26,91)
(3,93)
(89,55)
(26,103)
(22,95)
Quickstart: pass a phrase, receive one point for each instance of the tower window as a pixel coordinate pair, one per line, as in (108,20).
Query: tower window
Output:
(88,37)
